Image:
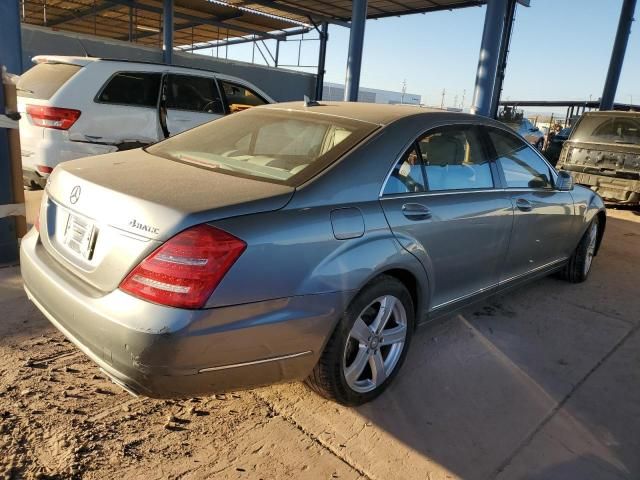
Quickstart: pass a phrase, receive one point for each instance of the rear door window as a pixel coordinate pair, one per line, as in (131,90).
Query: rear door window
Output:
(407,176)
(45,79)
(194,94)
(455,159)
(239,97)
(139,89)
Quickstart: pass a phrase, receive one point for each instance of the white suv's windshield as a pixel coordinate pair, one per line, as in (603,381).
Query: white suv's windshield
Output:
(283,147)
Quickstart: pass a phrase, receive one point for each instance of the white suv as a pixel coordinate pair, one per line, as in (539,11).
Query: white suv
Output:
(76,107)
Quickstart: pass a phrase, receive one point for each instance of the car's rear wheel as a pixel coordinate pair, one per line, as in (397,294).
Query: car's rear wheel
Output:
(579,265)
(540,144)
(368,345)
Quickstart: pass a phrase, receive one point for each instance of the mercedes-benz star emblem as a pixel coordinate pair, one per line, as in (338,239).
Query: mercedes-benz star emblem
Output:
(75,194)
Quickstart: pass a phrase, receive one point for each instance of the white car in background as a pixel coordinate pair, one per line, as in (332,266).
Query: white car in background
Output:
(73,107)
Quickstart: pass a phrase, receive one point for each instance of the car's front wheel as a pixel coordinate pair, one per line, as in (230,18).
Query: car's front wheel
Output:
(579,265)
(368,346)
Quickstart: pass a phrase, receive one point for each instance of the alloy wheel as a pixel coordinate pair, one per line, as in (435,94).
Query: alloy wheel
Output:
(591,247)
(375,344)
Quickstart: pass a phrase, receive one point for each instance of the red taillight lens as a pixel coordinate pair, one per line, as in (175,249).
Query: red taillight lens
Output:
(53,117)
(44,169)
(186,269)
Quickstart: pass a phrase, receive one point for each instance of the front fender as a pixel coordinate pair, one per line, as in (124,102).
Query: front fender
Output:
(588,204)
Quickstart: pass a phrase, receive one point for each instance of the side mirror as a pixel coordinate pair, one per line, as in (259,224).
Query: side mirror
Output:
(565,181)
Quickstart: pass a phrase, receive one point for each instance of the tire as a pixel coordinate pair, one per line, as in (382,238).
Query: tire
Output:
(367,347)
(579,265)
(540,144)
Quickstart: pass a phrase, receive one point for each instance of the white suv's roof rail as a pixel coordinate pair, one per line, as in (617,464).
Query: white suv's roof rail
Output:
(82,61)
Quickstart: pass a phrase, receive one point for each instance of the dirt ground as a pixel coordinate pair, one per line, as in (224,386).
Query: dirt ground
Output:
(541,383)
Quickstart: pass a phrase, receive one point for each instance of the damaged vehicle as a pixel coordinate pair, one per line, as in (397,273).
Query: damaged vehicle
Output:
(74,107)
(603,153)
(296,241)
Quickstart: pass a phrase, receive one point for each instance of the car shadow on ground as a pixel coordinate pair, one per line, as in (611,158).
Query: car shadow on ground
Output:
(542,382)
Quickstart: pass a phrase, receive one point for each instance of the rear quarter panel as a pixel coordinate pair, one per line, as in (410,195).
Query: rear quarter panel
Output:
(294,252)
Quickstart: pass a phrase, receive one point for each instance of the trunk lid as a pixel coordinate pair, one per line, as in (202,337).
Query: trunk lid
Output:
(102,215)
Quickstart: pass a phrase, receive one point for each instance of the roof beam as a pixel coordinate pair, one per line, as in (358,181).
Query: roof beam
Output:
(300,11)
(236,41)
(87,12)
(213,21)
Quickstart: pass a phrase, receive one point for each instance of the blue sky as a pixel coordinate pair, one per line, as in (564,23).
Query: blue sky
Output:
(560,50)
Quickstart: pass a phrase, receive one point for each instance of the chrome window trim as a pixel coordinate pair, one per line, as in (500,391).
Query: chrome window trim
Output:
(396,196)
(381,194)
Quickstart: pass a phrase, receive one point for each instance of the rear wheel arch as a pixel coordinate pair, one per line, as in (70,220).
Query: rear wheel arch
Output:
(411,283)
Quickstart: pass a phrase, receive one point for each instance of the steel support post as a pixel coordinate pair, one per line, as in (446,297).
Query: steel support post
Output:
(167,31)
(617,54)
(494,25)
(502,58)
(322,55)
(11,58)
(356,44)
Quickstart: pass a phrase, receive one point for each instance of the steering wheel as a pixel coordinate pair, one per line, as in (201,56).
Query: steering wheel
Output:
(207,107)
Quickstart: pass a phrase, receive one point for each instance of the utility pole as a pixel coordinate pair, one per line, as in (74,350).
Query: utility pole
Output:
(404,90)
(464,93)
(455,101)
(444,92)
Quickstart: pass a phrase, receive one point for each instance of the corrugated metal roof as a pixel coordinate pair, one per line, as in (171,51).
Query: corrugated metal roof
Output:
(199,21)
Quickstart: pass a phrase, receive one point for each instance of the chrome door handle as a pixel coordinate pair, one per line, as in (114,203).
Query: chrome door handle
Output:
(523,205)
(415,211)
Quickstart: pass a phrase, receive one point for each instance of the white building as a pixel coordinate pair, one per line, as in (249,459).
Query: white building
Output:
(335,92)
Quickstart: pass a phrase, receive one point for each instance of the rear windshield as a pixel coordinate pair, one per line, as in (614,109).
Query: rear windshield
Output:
(43,80)
(623,129)
(277,146)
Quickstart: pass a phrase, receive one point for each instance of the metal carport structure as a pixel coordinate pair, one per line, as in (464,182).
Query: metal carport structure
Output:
(179,23)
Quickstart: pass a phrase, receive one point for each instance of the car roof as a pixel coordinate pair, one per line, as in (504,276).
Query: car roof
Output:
(376,113)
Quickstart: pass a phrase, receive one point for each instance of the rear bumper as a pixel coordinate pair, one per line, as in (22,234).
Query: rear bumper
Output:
(55,149)
(611,189)
(166,352)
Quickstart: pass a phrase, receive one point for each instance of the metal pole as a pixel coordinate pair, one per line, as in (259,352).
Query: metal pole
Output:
(494,24)
(11,57)
(617,54)
(502,58)
(167,32)
(130,24)
(322,55)
(356,43)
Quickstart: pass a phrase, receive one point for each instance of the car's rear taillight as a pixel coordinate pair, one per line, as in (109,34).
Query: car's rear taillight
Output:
(185,270)
(53,117)
(44,169)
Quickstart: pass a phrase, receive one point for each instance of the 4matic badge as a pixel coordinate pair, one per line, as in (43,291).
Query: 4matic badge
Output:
(145,228)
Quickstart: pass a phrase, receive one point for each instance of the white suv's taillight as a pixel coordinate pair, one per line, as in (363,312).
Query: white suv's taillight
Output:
(53,117)
(185,270)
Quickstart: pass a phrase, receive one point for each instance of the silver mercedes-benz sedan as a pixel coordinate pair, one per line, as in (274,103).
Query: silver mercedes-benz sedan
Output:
(296,241)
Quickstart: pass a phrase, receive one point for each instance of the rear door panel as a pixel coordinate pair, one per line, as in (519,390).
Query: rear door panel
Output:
(461,245)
